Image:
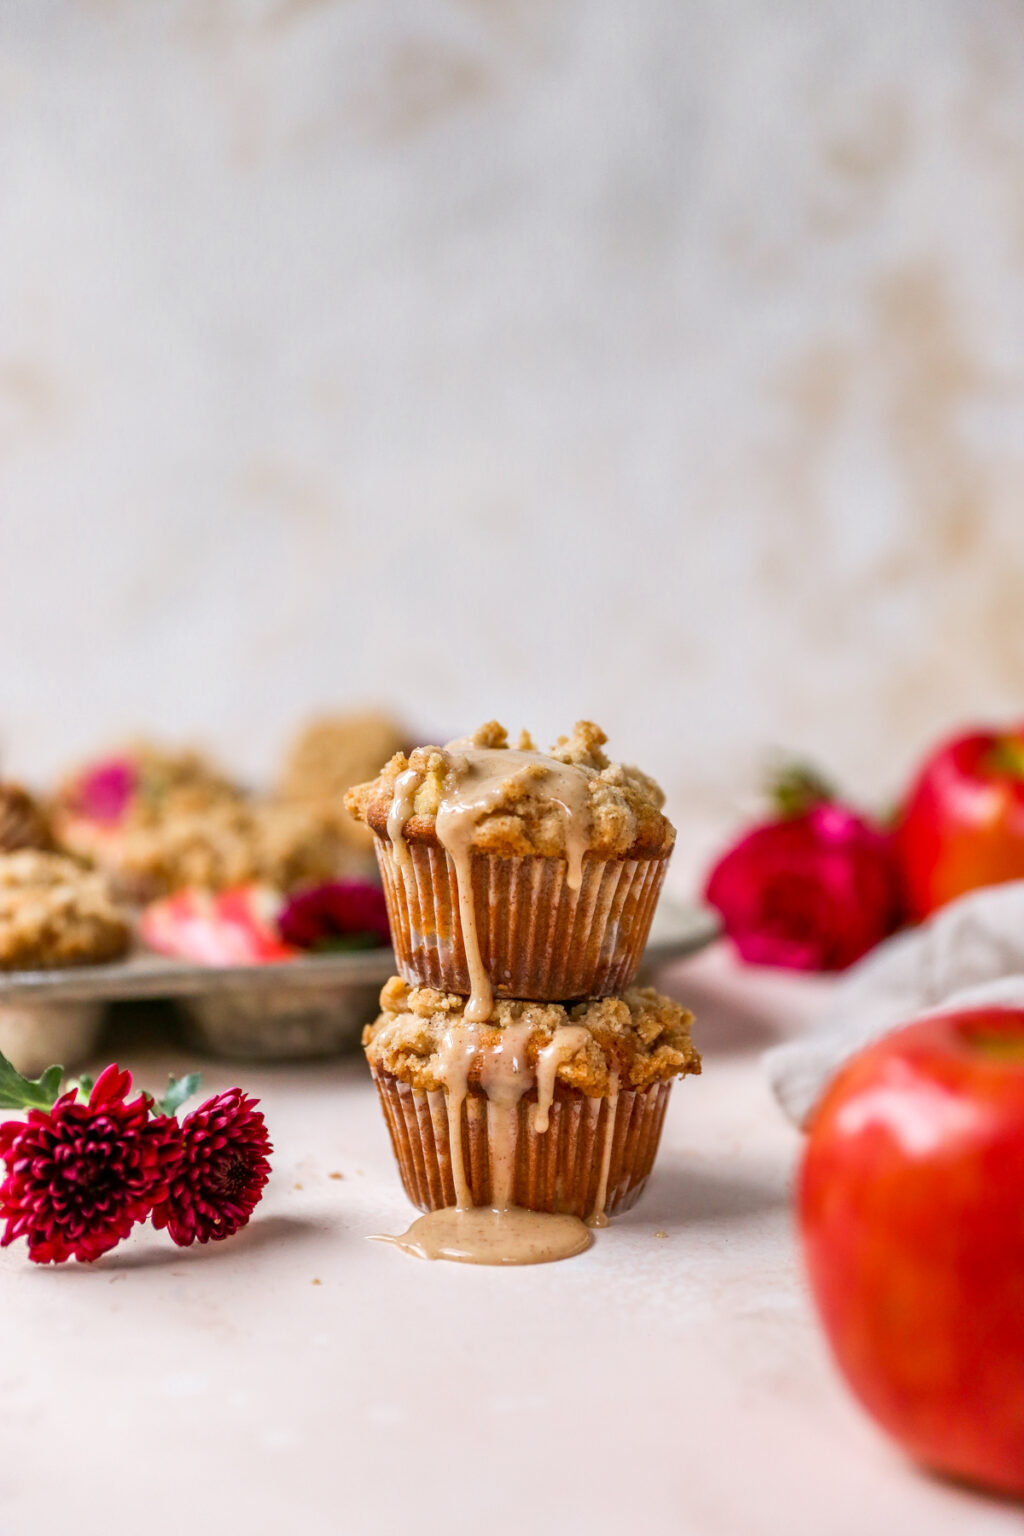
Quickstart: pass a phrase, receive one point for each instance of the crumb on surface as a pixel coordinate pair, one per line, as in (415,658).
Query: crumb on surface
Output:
(335,1175)
(643,1036)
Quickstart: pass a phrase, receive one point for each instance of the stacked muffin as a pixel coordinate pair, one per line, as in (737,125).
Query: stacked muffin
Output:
(516,1065)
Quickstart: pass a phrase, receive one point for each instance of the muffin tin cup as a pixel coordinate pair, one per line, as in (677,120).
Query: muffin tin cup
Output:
(557,1170)
(34,1036)
(539,940)
(263,1022)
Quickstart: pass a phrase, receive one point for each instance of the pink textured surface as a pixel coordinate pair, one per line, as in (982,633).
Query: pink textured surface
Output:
(664,1384)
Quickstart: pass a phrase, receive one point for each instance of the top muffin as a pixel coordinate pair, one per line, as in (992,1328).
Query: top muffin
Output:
(523,816)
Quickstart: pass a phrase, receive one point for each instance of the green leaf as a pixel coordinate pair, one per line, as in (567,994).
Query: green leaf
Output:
(1007,756)
(17,1092)
(83,1086)
(178,1090)
(795,788)
(345,943)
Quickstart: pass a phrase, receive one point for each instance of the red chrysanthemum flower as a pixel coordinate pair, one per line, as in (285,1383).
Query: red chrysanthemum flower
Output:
(342,914)
(224,1166)
(79,1176)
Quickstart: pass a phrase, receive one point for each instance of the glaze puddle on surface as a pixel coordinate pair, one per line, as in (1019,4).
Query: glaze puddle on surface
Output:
(482,1235)
(503,1232)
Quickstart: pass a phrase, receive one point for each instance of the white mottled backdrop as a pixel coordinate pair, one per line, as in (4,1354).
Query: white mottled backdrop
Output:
(661,362)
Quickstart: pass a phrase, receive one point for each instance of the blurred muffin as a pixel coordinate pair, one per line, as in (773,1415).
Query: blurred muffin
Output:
(332,753)
(266,842)
(139,786)
(23,821)
(54,913)
(514,872)
(547,1107)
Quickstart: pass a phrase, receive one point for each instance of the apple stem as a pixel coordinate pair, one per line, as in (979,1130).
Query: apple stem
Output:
(1007,756)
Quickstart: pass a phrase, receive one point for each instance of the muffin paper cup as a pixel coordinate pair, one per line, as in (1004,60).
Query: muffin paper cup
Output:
(557,1170)
(539,940)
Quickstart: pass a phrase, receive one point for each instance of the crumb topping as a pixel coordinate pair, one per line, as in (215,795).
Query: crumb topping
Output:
(642,1035)
(54,913)
(625,814)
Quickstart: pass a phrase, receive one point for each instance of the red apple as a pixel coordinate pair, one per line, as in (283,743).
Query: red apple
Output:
(962,824)
(911,1206)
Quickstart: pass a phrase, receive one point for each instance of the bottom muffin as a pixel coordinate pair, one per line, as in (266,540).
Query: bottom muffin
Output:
(549,1108)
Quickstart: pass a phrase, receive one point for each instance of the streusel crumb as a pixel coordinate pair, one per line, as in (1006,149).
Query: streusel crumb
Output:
(643,1036)
(625,804)
(54,913)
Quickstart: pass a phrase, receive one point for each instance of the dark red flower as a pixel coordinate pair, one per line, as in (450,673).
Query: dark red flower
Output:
(334,915)
(811,892)
(79,1176)
(224,1166)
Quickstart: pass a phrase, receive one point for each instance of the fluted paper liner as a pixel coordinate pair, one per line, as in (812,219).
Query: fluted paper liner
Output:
(557,1170)
(539,940)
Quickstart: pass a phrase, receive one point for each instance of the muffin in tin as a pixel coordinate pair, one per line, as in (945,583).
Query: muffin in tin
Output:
(285,846)
(23,821)
(54,913)
(329,755)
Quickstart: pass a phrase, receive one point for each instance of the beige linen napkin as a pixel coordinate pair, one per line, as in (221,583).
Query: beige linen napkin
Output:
(971,952)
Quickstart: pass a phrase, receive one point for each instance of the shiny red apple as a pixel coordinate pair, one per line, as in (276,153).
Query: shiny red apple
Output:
(911,1208)
(962,824)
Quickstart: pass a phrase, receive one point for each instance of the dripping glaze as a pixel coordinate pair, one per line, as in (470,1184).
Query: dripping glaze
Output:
(503,1233)
(478,779)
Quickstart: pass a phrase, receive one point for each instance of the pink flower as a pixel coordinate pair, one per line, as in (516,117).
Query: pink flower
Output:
(79,1176)
(810,892)
(224,1165)
(105,790)
(342,914)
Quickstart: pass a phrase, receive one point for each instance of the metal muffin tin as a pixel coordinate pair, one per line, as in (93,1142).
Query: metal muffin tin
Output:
(312,1006)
